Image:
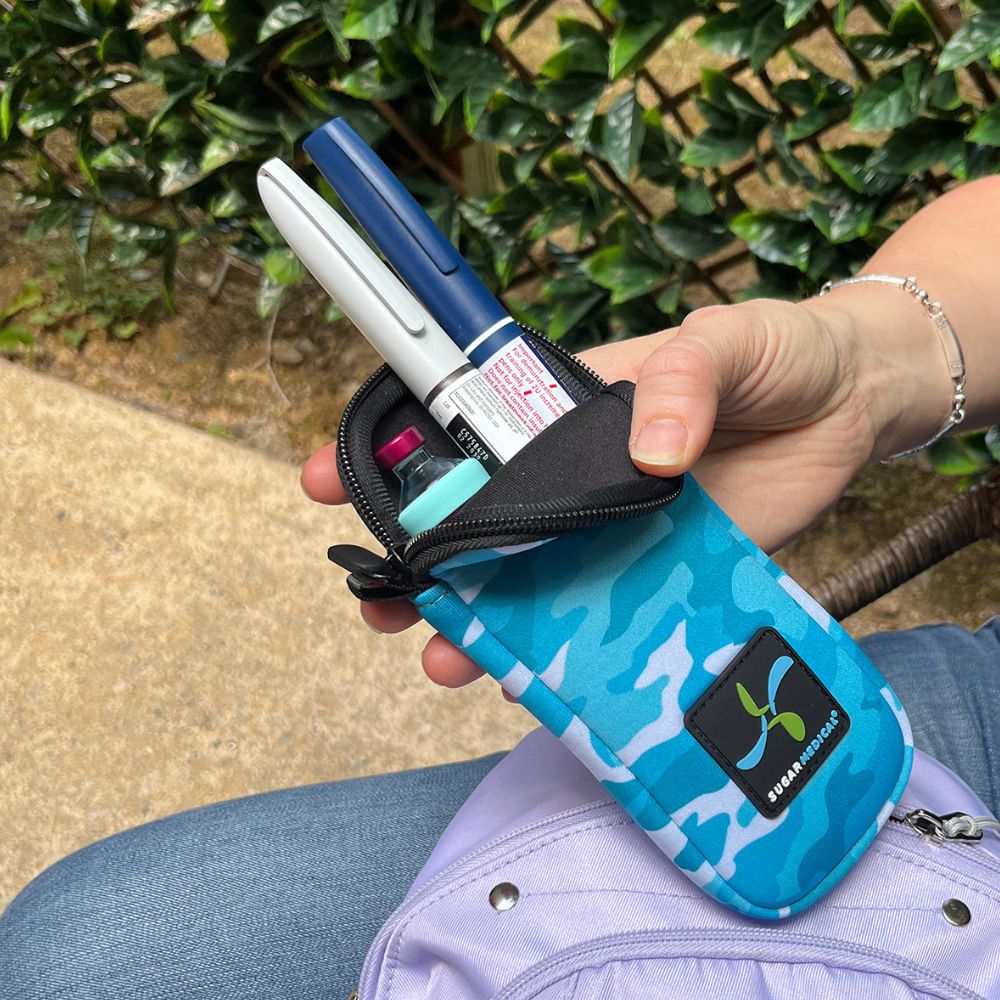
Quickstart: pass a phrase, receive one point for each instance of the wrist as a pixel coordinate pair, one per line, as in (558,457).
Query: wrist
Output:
(895,360)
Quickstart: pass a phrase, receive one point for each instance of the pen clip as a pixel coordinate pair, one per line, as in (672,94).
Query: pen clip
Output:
(390,191)
(357,257)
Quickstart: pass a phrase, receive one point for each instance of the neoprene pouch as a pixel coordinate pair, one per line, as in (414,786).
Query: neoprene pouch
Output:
(728,713)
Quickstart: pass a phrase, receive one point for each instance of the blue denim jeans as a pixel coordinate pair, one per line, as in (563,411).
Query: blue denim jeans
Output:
(277,896)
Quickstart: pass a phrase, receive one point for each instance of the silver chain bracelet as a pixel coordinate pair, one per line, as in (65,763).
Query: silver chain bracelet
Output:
(949,343)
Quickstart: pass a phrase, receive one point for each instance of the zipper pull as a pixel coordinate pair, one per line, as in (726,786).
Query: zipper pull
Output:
(956,827)
(373,577)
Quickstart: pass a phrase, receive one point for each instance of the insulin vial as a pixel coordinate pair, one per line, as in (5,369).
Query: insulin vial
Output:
(432,487)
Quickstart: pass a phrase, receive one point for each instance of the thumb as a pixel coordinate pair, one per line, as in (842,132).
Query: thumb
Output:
(677,391)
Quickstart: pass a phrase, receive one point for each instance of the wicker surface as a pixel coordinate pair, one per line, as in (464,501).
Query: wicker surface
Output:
(970,517)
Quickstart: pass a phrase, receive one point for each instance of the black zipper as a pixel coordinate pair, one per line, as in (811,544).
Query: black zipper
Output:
(537,525)
(369,514)
(403,571)
(348,477)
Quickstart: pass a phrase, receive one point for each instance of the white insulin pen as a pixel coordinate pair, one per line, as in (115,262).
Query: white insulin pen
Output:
(427,360)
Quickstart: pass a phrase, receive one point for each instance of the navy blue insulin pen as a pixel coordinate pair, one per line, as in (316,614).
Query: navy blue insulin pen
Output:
(438,275)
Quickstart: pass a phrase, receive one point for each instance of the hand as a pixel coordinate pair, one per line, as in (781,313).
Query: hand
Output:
(764,402)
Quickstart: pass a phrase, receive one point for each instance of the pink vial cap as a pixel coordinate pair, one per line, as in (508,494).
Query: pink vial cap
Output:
(402,445)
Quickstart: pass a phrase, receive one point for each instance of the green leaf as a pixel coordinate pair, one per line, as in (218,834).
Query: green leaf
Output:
(895,99)
(734,33)
(52,216)
(624,130)
(228,204)
(583,51)
(332,12)
(777,237)
(282,267)
(574,299)
(369,82)
(943,93)
(992,441)
(284,16)
(877,48)
(178,171)
(119,45)
(670,298)
(117,156)
(624,271)
(125,330)
(694,197)
(843,222)
(811,122)
(236,119)
(579,131)
(14,336)
(632,43)
(40,114)
(270,295)
(715,146)
(920,146)
(81,225)
(155,12)
(369,20)
(986,131)
(691,237)
(8,108)
(29,297)
(727,33)
(978,37)
(218,151)
(734,101)
(910,21)
(796,10)
(952,456)
(74,337)
(850,165)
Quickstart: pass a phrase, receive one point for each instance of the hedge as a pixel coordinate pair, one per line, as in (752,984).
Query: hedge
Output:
(808,135)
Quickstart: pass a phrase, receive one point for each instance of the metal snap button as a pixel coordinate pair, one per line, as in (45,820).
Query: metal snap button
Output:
(956,912)
(504,896)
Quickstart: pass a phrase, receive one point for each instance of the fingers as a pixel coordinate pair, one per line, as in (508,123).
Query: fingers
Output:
(447,665)
(389,617)
(679,385)
(319,478)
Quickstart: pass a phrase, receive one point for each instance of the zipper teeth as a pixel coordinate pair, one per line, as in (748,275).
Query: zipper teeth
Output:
(352,484)
(577,519)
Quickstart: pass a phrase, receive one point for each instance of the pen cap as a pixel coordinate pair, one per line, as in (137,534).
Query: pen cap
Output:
(379,305)
(420,253)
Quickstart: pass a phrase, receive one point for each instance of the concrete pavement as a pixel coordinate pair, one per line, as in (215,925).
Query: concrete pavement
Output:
(171,633)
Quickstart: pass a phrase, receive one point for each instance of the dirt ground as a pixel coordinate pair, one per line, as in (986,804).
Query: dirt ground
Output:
(206,365)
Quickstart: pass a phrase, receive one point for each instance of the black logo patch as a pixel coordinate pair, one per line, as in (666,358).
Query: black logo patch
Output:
(768,722)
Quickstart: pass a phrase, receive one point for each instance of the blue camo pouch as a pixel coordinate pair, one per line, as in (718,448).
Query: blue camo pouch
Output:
(735,721)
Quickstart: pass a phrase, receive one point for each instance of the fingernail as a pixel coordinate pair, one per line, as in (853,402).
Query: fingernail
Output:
(660,442)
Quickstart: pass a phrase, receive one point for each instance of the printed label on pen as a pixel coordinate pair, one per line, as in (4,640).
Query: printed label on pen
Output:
(531,391)
(478,421)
